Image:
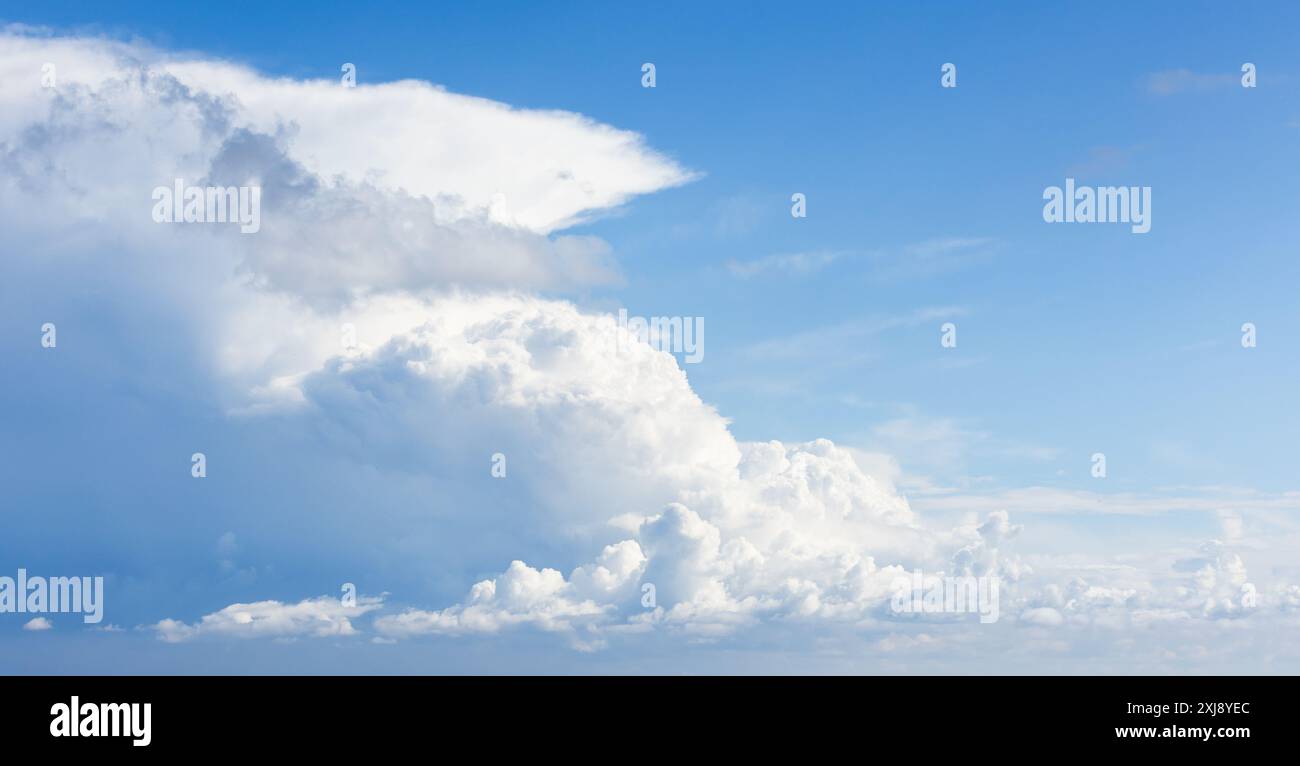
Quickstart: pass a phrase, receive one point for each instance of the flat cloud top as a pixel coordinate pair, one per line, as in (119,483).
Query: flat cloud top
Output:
(387,188)
(541,170)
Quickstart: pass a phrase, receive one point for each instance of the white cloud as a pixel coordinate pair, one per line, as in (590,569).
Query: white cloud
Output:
(760,527)
(1059,500)
(38,623)
(930,258)
(437,188)
(319,617)
(789,264)
(521,595)
(923,259)
(370,196)
(826,345)
(407,135)
(1232,524)
(382,212)
(1043,615)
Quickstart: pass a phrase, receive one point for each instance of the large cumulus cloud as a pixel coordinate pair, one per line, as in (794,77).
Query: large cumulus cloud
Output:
(426,225)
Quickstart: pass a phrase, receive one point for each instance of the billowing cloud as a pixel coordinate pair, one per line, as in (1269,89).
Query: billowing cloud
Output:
(385,187)
(360,359)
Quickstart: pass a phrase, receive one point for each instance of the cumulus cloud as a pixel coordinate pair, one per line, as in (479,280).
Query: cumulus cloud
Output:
(1218,583)
(721,529)
(423,224)
(523,595)
(37,624)
(1211,585)
(433,187)
(1043,615)
(319,618)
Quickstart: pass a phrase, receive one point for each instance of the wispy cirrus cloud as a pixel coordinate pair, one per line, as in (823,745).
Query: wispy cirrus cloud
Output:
(793,264)
(1057,500)
(919,260)
(844,340)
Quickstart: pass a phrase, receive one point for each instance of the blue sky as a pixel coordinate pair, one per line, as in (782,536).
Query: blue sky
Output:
(924,206)
(1074,337)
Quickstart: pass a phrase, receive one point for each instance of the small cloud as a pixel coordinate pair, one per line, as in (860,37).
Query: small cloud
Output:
(38,623)
(108,629)
(923,259)
(227,545)
(837,341)
(930,258)
(1173,81)
(318,617)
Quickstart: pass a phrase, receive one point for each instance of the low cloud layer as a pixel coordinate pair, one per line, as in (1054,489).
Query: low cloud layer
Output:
(318,618)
